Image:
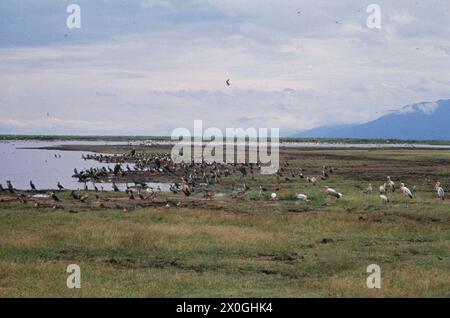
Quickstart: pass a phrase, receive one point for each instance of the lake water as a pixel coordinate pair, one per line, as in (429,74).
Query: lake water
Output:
(45,169)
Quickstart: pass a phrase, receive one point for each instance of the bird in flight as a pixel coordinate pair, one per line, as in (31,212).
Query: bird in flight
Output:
(228,82)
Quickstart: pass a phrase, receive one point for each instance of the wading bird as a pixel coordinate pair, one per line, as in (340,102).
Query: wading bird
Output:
(390,184)
(369,189)
(60,186)
(440,191)
(54,197)
(406,192)
(383,188)
(333,192)
(115,188)
(186,190)
(302,197)
(384,198)
(10,186)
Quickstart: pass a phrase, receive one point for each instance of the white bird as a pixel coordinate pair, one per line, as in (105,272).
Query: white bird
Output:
(312,180)
(333,192)
(383,188)
(302,197)
(273,196)
(390,183)
(369,189)
(384,198)
(440,191)
(406,191)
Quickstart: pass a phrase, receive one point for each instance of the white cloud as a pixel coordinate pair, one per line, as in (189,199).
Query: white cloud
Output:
(287,69)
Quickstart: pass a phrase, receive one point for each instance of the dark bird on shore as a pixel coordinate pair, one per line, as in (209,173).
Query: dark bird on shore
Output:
(33,188)
(10,186)
(228,82)
(53,196)
(95,188)
(115,188)
(117,169)
(60,186)
(174,188)
(1,188)
(243,171)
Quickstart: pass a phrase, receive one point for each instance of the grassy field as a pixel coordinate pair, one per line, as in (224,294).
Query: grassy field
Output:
(250,247)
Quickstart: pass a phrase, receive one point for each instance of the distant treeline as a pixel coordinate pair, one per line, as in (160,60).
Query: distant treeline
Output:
(167,138)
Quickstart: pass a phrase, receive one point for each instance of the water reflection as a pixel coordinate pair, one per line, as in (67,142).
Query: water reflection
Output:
(48,167)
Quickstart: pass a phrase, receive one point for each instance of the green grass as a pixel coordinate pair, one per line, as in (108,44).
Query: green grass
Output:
(267,252)
(253,247)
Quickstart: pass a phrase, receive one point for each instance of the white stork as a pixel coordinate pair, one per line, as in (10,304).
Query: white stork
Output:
(390,183)
(333,192)
(384,198)
(369,189)
(273,196)
(406,191)
(440,191)
(383,188)
(302,197)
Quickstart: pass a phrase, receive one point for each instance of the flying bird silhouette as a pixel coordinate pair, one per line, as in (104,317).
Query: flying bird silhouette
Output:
(228,82)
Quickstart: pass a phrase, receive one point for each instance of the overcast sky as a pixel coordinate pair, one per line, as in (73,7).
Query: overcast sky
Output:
(149,66)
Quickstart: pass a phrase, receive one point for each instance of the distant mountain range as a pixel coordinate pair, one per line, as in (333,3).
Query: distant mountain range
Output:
(422,121)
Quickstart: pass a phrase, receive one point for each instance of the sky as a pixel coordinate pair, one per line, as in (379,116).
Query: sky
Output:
(146,67)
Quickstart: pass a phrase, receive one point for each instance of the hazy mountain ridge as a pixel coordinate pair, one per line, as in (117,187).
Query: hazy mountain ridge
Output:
(421,121)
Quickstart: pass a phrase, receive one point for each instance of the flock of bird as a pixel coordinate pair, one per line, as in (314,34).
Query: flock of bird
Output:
(196,177)
(390,186)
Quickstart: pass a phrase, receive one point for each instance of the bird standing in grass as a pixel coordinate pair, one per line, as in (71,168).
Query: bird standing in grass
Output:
(384,198)
(302,197)
(54,197)
(369,189)
(390,184)
(115,188)
(440,191)
(10,186)
(186,190)
(383,188)
(406,192)
(333,192)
